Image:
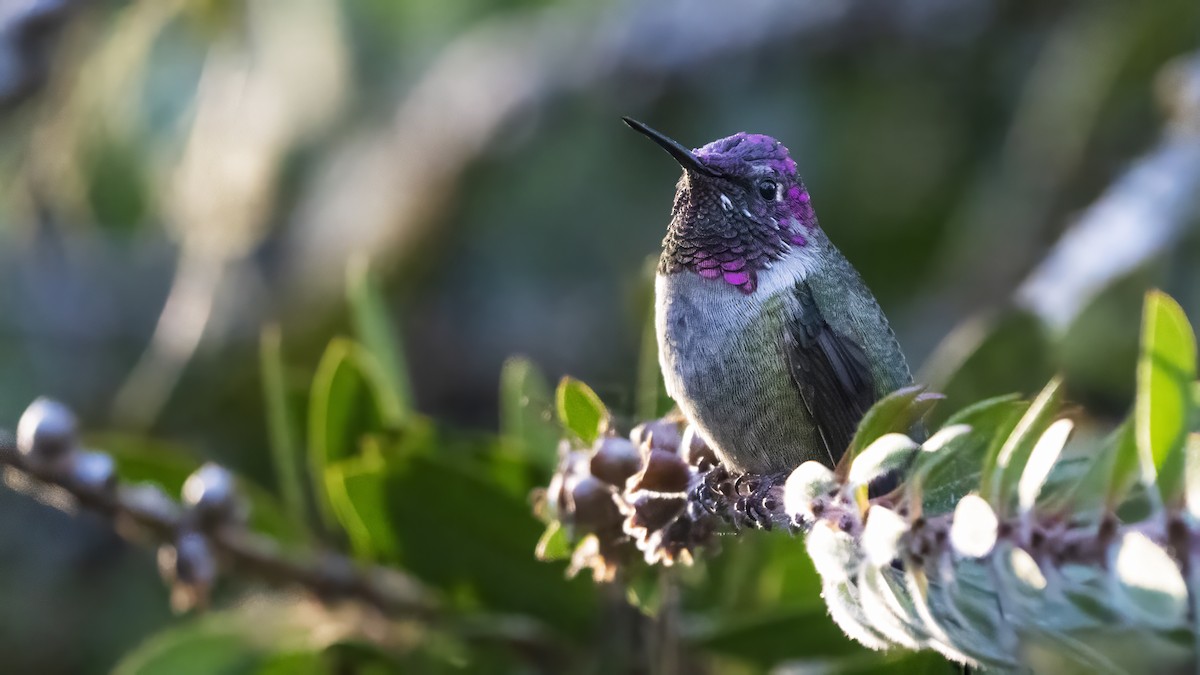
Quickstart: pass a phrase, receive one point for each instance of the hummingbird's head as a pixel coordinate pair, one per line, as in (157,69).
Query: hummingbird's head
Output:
(739,206)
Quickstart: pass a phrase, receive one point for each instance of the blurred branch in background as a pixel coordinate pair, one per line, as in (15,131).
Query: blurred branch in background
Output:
(1015,205)
(258,98)
(1137,219)
(1145,212)
(28,32)
(381,186)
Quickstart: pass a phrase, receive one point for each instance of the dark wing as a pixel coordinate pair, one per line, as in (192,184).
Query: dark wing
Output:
(831,371)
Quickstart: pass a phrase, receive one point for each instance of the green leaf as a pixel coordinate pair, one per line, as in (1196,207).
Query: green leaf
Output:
(363,516)
(890,452)
(943,477)
(770,637)
(985,411)
(373,327)
(895,413)
(1165,373)
(295,663)
(554,544)
(526,413)
(1042,460)
(1192,476)
(1112,471)
(645,589)
(763,572)
(235,642)
(459,532)
(580,410)
(1152,587)
(1195,426)
(349,400)
(286,452)
(1002,470)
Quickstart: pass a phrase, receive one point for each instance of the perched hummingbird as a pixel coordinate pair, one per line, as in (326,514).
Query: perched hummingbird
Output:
(768,339)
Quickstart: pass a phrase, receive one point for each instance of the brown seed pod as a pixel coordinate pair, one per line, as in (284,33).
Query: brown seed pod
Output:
(664,471)
(615,460)
(593,504)
(661,434)
(47,431)
(649,513)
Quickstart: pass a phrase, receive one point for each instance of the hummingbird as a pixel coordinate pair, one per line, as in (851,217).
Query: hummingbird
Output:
(769,341)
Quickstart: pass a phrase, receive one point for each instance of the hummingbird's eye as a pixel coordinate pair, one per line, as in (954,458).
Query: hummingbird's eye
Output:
(768,188)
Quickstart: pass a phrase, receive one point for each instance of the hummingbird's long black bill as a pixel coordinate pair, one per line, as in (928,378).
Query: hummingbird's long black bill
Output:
(686,158)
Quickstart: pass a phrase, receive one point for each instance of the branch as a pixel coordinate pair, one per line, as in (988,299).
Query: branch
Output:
(205,532)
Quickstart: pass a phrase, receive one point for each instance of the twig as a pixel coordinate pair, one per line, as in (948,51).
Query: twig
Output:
(34,463)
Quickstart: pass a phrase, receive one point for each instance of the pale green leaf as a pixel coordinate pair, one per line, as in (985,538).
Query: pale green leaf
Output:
(287,454)
(350,399)
(1165,374)
(1002,470)
(1041,462)
(895,413)
(373,327)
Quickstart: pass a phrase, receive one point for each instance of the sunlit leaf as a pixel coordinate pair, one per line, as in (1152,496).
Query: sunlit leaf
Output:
(580,410)
(954,471)
(1165,374)
(231,642)
(554,544)
(886,454)
(1002,470)
(1192,474)
(373,327)
(356,490)
(350,399)
(1041,462)
(895,413)
(1150,581)
(287,453)
(1112,470)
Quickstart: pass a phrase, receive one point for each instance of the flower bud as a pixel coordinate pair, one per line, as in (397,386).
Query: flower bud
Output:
(615,460)
(664,472)
(93,471)
(595,508)
(190,568)
(47,431)
(210,492)
(661,434)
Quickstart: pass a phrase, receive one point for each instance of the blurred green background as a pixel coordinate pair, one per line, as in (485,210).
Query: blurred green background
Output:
(177,174)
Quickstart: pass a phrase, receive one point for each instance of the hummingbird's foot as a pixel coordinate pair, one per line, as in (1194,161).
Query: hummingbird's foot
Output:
(759,501)
(713,491)
(743,500)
